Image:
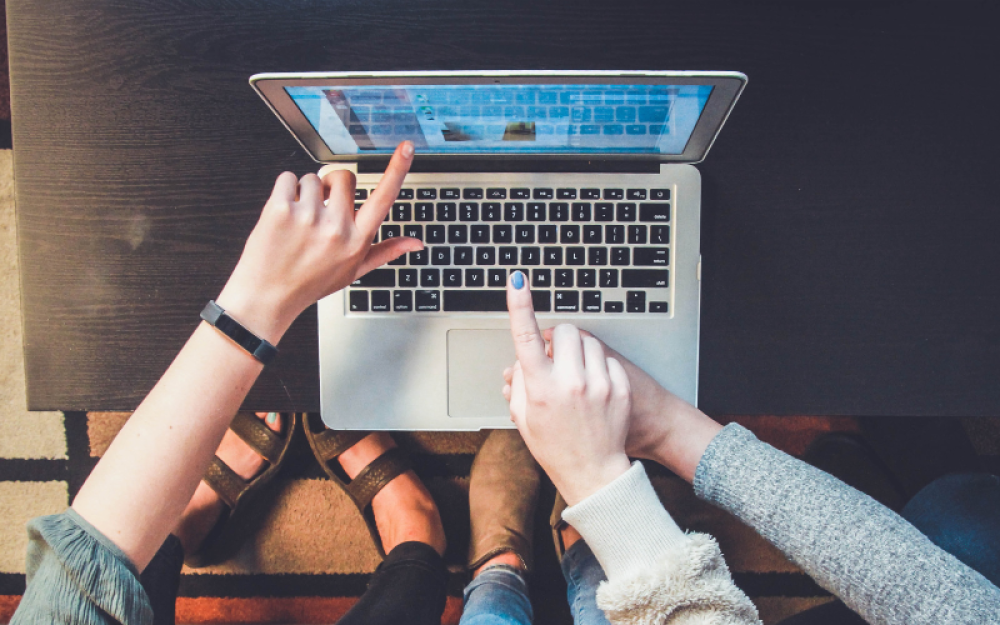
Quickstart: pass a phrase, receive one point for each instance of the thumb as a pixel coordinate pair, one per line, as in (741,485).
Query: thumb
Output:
(390,249)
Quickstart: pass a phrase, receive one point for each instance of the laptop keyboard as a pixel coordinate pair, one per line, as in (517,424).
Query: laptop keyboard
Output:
(584,250)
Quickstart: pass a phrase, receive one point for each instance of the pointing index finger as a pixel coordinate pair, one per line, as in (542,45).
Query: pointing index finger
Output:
(373,211)
(528,342)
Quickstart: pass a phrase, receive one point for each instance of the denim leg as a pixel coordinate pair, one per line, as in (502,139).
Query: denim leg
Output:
(583,575)
(961,514)
(497,596)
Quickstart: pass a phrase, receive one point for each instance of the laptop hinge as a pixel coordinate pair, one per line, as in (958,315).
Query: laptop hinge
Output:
(519,166)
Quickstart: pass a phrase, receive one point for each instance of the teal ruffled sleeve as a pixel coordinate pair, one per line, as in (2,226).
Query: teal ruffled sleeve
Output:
(76,575)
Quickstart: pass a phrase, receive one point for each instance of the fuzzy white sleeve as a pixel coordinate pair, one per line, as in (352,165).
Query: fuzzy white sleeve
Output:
(656,573)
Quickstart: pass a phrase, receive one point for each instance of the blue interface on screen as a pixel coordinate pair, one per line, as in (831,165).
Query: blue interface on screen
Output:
(504,119)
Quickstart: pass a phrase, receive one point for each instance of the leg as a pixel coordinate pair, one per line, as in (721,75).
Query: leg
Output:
(583,575)
(961,514)
(161,578)
(497,596)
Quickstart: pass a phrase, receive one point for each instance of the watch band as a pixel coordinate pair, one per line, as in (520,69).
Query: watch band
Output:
(258,347)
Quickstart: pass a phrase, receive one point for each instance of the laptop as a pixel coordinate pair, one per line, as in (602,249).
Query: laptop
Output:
(583,180)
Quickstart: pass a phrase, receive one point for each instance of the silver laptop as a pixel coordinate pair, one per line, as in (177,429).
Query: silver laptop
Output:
(582,180)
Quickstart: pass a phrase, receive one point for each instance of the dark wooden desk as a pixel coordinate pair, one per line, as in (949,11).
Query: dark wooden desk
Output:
(850,206)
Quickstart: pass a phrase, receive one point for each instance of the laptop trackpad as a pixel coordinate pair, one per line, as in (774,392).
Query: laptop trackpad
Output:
(476,360)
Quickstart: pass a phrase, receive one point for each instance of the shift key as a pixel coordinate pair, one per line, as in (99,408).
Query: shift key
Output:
(645,278)
(377,277)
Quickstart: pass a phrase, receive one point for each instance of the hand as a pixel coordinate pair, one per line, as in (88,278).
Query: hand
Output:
(303,249)
(572,409)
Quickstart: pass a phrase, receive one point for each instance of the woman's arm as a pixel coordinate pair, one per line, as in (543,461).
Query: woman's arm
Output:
(303,248)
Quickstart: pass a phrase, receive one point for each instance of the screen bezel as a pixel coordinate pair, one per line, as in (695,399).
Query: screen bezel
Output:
(727,87)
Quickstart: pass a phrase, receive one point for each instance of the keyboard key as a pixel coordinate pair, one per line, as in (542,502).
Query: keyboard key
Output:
(566,194)
(380,301)
(389,232)
(636,194)
(581,211)
(428,301)
(496,194)
(547,234)
(657,307)
(362,194)
(590,194)
(591,301)
(597,256)
(427,194)
(377,277)
(575,256)
(586,278)
(619,256)
(405,194)
(507,255)
(408,278)
(524,233)
(491,211)
(358,205)
(543,194)
(416,232)
(614,194)
(402,301)
(468,211)
(477,194)
(564,277)
(609,278)
(659,234)
(479,234)
(446,211)
(497,277)
(425,211)
(536,211)
(637,235)
(604,212)
(540,278)
(463,255)
(625,212)
(503,234)
(646,278)
(531,256)
(418,258)
(659,194)
(592,234)
(401,211)
(450,194)
(458,233)
(513,211)
(614,307)
(654,212)
(486,255)
(614,234)
(568,234)
(520,194)
(489,301)
(358,301)
(651,257)
(635,301)
(451,278)
(558,211)
(567,301)
(430,277)
(435,234)
(475,278)
(553,255)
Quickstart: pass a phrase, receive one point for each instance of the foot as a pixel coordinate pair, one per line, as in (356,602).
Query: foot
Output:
(205,507)
(503,489)
(404,510)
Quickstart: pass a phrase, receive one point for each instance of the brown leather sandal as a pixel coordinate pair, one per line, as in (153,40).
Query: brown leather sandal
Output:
(242,497)
(327,445)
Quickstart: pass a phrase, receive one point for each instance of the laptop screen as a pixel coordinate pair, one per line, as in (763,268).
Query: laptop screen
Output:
(504,119)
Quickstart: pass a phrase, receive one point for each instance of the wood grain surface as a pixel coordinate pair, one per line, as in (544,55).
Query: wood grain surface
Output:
(850,210)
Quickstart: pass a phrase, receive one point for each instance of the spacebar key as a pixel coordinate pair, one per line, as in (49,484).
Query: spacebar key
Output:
(456,300)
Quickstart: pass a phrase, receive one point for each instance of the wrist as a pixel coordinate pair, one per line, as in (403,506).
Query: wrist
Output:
(262,315)
(586,483)
(681,450)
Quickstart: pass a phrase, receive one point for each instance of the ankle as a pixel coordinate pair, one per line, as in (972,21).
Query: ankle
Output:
(569,536)
(506,558)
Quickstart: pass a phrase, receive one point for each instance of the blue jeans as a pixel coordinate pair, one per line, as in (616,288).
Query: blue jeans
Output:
(499,596)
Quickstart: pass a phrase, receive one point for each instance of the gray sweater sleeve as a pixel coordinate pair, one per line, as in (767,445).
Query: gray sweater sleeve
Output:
(874,561)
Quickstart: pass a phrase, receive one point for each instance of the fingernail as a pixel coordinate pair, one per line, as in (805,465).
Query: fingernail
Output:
(272,418)
(518,280)
(407,149)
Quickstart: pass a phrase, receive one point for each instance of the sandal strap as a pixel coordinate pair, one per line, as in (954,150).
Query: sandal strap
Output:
(225,482)
(329,444)
(376,475)
(258,436)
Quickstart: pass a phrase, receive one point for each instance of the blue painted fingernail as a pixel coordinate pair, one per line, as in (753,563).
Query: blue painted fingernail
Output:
(272,417)
(518,280)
